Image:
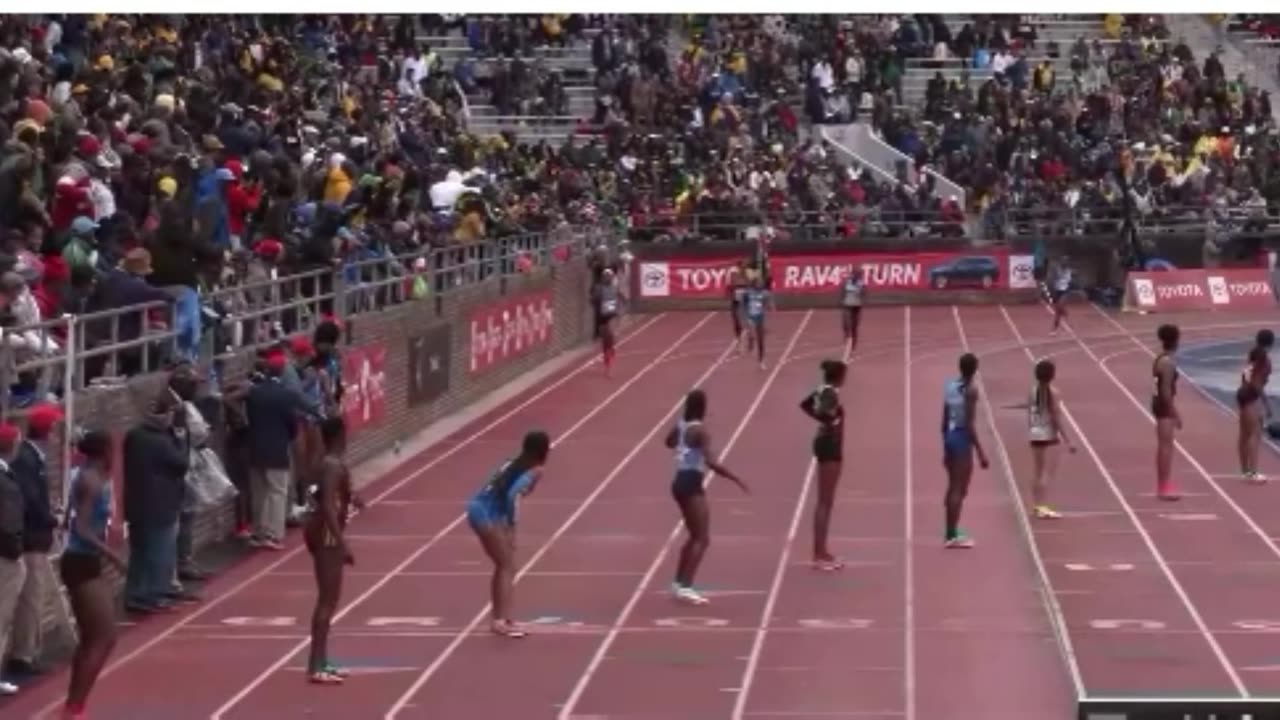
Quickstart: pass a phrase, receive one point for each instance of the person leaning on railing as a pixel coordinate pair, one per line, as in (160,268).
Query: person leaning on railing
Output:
(125,286)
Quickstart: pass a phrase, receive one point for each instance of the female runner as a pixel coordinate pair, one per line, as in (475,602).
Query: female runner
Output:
(325,537)
(757,301)
(491,512)
(959,443)
(1165,410)
(823,405)
(851,305)
(608,303)
(692,443)
(1058,290)
(1044,426)
(1254,409)
(92,597)
(737,295)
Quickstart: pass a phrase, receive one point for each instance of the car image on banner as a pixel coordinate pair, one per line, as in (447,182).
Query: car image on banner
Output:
(970,271)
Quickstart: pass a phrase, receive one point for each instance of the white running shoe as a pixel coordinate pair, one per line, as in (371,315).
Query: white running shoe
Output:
(691,596)
(8,688)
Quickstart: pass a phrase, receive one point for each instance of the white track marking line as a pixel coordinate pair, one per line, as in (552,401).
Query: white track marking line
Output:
(908,532)
(431,542)
(1052,607)
(239,587)
(1182,450)
(566,709)
(775,587)
(448,651)
(1158,556)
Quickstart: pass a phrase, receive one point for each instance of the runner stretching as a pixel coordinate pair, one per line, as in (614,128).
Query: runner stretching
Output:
(491,512)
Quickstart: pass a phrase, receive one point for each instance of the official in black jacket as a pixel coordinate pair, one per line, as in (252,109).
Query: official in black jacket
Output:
(12,508)
(156,457)
(31,470)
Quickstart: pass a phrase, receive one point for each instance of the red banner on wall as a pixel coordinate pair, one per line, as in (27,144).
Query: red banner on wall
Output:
(510,328)
(364,383)
(1174,290)
(808,274)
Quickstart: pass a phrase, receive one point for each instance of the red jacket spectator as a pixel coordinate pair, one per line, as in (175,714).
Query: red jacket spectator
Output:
(241,199)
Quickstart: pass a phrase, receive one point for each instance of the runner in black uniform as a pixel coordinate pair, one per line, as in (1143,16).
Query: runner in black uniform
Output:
(1253,408)
(738,284)
(1164,410)
(823,405)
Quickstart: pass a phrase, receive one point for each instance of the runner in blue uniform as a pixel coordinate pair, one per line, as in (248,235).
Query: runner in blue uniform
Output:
(851,290)
(81,568)
(758,301)
(959,443)
(692,443)
(491,512)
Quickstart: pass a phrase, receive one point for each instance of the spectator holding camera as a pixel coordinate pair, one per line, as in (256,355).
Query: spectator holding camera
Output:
(156,457)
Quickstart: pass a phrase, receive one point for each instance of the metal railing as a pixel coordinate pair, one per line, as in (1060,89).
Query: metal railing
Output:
(995,223)
(55,358)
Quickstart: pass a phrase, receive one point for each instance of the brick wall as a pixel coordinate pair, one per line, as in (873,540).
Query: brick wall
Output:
(119,408)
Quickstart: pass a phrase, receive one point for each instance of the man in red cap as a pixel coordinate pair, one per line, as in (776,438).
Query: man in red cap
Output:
(30,470)
(273,410)
(13,572)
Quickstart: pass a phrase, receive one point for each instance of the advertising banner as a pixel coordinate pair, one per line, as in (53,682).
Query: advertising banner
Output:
(1174,290)
(364,380)
(429,365)
(511,328)
(810,274)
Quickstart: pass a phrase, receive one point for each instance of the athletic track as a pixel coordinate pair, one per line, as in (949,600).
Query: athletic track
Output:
(1125,598)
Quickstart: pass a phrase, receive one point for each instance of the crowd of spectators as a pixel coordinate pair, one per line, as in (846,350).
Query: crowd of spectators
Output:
(1141,129)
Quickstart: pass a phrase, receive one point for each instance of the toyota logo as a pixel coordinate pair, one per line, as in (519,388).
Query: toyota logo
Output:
(655,278)
(1022,271)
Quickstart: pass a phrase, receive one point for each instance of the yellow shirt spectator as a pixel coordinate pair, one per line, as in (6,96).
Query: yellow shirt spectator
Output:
(1111,25)
(337,186)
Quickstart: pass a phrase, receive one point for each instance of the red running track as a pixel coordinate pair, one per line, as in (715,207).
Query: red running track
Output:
(908,630)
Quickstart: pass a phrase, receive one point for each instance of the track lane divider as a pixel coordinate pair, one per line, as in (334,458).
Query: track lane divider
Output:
(435,538)
(575,695)
(1201,626)
(405,698)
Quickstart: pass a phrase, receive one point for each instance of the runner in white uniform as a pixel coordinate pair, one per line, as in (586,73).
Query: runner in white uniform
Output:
(1044,430)
(1058,289)
(851,305)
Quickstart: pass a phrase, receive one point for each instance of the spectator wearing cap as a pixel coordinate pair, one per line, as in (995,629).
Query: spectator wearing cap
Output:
(122,287)
(81,248)
(13,571)
(301,376)
(156,458)
(272,410)
(30,468)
